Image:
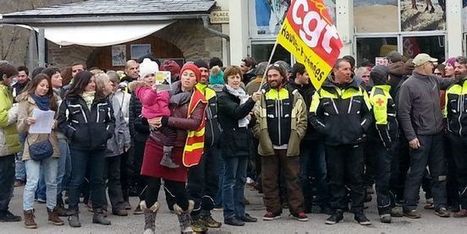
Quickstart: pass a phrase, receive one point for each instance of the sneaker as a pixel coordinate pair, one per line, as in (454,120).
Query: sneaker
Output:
(335,218)
(460,214)
(138,211)
(269,216)
(300,217)
(7,216)
(362,219)
(41,200)
(120,212)
(127,205)
(218,208)
(385,218)
(412,214)
(397,212)
(210,222)
(442,212)
(198,226)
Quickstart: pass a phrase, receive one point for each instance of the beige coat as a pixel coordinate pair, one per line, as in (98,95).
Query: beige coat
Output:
(26,106)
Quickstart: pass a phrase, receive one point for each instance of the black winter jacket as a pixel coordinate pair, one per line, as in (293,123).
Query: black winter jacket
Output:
(139,126)
(234,141)
(86,128)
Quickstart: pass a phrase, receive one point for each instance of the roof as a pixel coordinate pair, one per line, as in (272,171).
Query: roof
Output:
(111,11)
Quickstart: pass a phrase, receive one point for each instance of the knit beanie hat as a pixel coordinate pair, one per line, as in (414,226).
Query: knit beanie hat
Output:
(192,67)
(379,75)
(171,66)
(148,67)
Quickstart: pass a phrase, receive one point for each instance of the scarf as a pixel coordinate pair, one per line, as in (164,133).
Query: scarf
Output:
(88,98)
(42,102)
(240,94)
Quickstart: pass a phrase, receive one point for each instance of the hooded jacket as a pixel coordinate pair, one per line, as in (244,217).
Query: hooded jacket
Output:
(341,113)
(9,139)
(455,108)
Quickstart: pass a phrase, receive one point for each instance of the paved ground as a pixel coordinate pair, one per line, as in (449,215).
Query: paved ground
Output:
(167,222)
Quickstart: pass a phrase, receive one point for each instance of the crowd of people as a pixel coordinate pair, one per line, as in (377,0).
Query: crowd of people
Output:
(211,131)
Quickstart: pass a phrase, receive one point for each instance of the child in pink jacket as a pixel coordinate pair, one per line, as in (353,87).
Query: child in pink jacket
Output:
(155,104)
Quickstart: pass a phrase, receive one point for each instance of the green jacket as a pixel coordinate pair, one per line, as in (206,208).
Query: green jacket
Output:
(9,139)
(298,122)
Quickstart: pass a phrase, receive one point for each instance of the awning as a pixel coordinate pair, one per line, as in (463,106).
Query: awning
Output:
(100,35)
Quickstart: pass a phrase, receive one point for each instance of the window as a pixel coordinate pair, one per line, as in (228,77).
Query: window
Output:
(261,52)
(368,49)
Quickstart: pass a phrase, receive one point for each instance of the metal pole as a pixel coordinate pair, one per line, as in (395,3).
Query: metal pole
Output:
(269,62)
(32,50)
(41,47)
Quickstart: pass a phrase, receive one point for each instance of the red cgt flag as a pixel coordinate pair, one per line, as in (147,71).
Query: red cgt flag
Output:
(308,32)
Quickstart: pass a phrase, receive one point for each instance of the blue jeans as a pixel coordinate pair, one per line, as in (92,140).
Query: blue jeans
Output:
(313,173)
(64,166)
(20,170)
(94,162)
(33,170)
(41,188)
(233,186)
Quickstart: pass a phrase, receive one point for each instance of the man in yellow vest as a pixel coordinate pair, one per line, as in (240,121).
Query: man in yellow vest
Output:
(384,137)
(203,181)
(341,112)
(457,124)
(281,121)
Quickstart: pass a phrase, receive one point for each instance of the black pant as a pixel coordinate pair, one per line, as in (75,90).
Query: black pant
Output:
(174,189)
(7,180)
(138,153)
(400,165)
(430,153)
(124,176)
(452,185)
(371,148)
(114,187)
(345,166)
(203,182)
(383,175)
(81,161)
(459,154)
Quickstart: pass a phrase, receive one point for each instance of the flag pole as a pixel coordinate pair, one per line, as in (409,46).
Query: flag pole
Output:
(269,62)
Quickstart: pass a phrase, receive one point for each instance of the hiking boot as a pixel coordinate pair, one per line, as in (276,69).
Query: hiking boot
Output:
(269,216)
(120,212)
(210,222)
(73,220)
(461,213)
(412,214)
(150,215)
(99,218)
(234,222)
(362,219)
(7,216)
(127,205)
(442,212)
(29,219)
(53,217)
(385,218)
(61,211)
(335,218)
(198,226)
(247,218)
(300,217)
(166,160)
(184,217)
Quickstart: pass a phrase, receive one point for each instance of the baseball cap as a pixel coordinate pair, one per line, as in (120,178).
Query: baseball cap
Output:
(423,58)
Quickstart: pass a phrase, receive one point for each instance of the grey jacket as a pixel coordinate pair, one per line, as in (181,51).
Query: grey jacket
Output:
(419,110)
(120,141)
